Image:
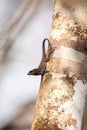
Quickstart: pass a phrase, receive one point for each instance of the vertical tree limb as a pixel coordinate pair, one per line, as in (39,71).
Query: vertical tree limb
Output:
(62,97)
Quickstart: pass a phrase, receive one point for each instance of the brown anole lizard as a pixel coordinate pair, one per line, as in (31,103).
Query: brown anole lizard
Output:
(42,67)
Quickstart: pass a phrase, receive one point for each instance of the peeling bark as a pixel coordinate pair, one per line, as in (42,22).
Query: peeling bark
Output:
(62,97)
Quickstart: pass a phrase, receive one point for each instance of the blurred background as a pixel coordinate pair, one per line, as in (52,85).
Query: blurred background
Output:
(23,26)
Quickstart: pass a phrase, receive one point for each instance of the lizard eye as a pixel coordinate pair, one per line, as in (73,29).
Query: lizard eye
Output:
(30,72)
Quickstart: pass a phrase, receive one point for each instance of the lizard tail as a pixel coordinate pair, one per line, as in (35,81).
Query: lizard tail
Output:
(43,46)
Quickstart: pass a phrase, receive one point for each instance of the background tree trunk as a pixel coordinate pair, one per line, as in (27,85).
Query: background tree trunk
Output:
(62,97)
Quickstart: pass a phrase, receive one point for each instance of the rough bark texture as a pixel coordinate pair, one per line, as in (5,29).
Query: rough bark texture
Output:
(62,97)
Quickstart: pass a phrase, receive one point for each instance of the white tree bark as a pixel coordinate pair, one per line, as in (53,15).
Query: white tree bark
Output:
(62,98)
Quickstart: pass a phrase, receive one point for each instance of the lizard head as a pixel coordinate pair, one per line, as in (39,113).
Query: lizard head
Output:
(34,72)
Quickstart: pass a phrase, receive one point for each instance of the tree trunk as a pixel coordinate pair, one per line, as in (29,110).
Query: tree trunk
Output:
(62,97)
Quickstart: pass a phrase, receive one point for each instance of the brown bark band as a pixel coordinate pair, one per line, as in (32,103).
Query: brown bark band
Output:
(77,45)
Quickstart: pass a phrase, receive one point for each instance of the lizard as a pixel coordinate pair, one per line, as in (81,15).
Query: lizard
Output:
(42,66)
